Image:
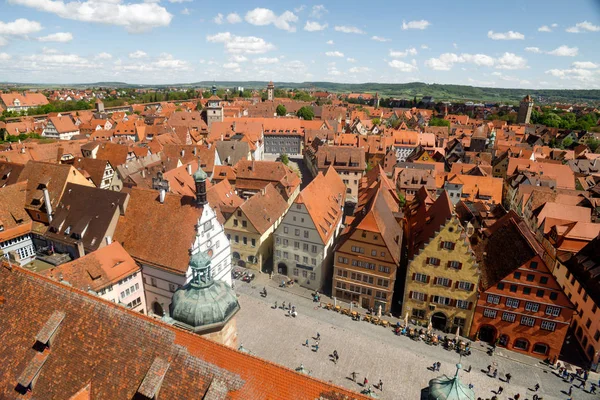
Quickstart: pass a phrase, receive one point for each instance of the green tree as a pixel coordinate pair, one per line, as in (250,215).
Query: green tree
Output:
(306,113)
(281,110)
(376,121)
(439,122)
(567,142)
(284,158)
(593,144)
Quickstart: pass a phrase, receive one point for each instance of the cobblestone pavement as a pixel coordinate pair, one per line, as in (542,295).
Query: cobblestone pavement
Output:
(375,352)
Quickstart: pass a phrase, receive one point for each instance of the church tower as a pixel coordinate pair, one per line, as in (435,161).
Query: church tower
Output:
(214,109)
(525,108)
(270,91)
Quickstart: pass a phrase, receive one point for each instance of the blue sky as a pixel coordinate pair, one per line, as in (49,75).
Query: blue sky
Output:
(523,44)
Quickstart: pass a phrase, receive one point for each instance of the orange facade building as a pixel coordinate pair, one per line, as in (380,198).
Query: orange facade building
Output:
(521,306)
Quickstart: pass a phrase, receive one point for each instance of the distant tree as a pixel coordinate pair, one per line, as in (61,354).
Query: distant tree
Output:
(567,142)
(199,106)
(281,110)
(376,121)
(593,144)
(439,122)
(284,158)
(306,113)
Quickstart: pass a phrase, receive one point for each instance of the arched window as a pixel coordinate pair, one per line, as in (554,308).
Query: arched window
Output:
(541,348)
(521,344)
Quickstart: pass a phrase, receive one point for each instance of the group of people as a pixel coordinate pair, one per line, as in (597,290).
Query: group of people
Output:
(291,308)
(365,384)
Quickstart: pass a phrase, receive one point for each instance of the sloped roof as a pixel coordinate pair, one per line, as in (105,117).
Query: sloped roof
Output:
(263,209)
(424,218)
(96,334)
(12,211)
(63,124)
(93,166)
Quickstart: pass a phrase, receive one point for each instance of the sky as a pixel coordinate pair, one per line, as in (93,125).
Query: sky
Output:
(514,44)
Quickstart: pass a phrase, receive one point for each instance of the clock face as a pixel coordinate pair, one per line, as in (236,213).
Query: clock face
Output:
(210,252)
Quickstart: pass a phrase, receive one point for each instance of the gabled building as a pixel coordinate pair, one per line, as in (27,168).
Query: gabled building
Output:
(15,224)
(18,102)
(62,128)
(250,228)
(109,272)
(254,176)
(305,239)
(442,274)
(160,230)
(520,305)
(367,256)
(100,172)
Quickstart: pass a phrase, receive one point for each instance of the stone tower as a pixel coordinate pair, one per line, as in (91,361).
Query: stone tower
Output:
(200,179)
(270,91)
(214,109)
(525,108)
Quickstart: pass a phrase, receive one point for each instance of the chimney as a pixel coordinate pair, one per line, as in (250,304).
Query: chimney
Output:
(108,240)
(162,196)
(80,248)
(189,169)
(233,126)
(182,152)
(143,173)
(47,203)
(221,137)
(194,151)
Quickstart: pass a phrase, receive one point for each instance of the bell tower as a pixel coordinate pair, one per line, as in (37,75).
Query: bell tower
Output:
(270,91)
(200,179)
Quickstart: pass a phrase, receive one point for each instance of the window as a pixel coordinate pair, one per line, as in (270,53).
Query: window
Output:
(597,336)
(540,348)
(420,314)
(553,311)
(285,229)
(521,344)
(285,242)
(548,326)
(153,282)
(297,232)
(297,245)
(244,224)
(530,277)
(382,254)
(489,313)
(342,260)
(305,260)
(418,296)
(508,317)
(382,269)
(533,307)
(493,299)
(304,273)
(500,286)
(465,285)
(380,295)
(313,261)
(527,321)
(313,248)
(306,234)
(374,253)
(433,261)
(526,290)
(544,280)
(358,249)
(295,271)
(540,293)
(448,245)
(235,222)
(588,323)
(278,253)
(421,278)
(296,257)
(454,264)
(313,276)
(237,239)
(513,303)
(252,242)
(286,255)
(441,300)
(442,281)
(383,282)
(513,288)
(533,265)
(305,246)
(463,304)
(459,322)
(244,240)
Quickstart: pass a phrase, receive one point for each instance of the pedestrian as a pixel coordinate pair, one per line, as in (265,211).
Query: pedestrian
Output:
(572,378)
(593,389)
(283,305)
(380,385)
(306,343)
(536,387)
(489,368)
(317,348)
(318,336)
(276,305)
(317,343)
(365,382)
(439,364)
(434,366)
(570,390)
(508,376)
(517,396)
(353,375)
(471,386)
(581,385)
(335,354)
(495,375)
(500,390)
(469,369)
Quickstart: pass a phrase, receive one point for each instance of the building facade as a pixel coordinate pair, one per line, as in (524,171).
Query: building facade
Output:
(525,108)
(442,274)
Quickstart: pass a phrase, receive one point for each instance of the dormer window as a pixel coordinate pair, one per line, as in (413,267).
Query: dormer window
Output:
(68,230)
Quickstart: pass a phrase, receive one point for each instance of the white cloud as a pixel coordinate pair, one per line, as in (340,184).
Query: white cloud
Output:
(397,54)
(584,26)
(357,70)
(576,74)
(171,1)
(333,71)
(300,9)
(479,59)
(348,29)
(238,58)
(186,11)
(334,54)
(231,65)
(3,41)
(511,61)
(421,24)
(510,35)
(167,61)
(19,27)
(544,28)
(53,60)
(585,65)
(403,66)
(5,57)
(533,50)
(104,56)
(266,60)
(444,62)
(218,19)
(234,18)
(424,47)
(135,17)
(241,44)
(314,26)
(380,39)
(330,42)
(564,51)
(138,54)
(351,60)
(318,11)
(61,37)
(264,16)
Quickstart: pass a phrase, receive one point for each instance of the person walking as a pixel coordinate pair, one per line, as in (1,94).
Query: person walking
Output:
(353,375)
(508,376)
(365,382)
(489,368)
(570,390)
(380,385)
(500,390)
(517,396)
(276,305)
(283,305)
(439,364)
(317,347)
(434,366)
(318,336)
(593,389)
(306,343)
(469,369)
(536,387)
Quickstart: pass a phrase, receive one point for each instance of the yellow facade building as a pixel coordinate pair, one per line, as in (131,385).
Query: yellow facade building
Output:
(442,274)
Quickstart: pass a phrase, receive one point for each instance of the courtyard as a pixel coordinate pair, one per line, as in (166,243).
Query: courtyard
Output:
(376,352)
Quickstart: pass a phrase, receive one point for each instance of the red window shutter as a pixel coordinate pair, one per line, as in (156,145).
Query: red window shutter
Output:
(435,280)
(410,295)
(425,298)
(456,285)
(470,305)
(453,302)
(428,260)
(459,265)
(428,278)
(449,264)
(452,245)
(449,282)
(471,287)
(414,275)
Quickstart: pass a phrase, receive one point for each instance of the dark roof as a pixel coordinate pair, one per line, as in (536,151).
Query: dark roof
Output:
(86,214)
(231,151)
(585,266)
(112,352)
(504,247)
(93,166)
(9,172)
